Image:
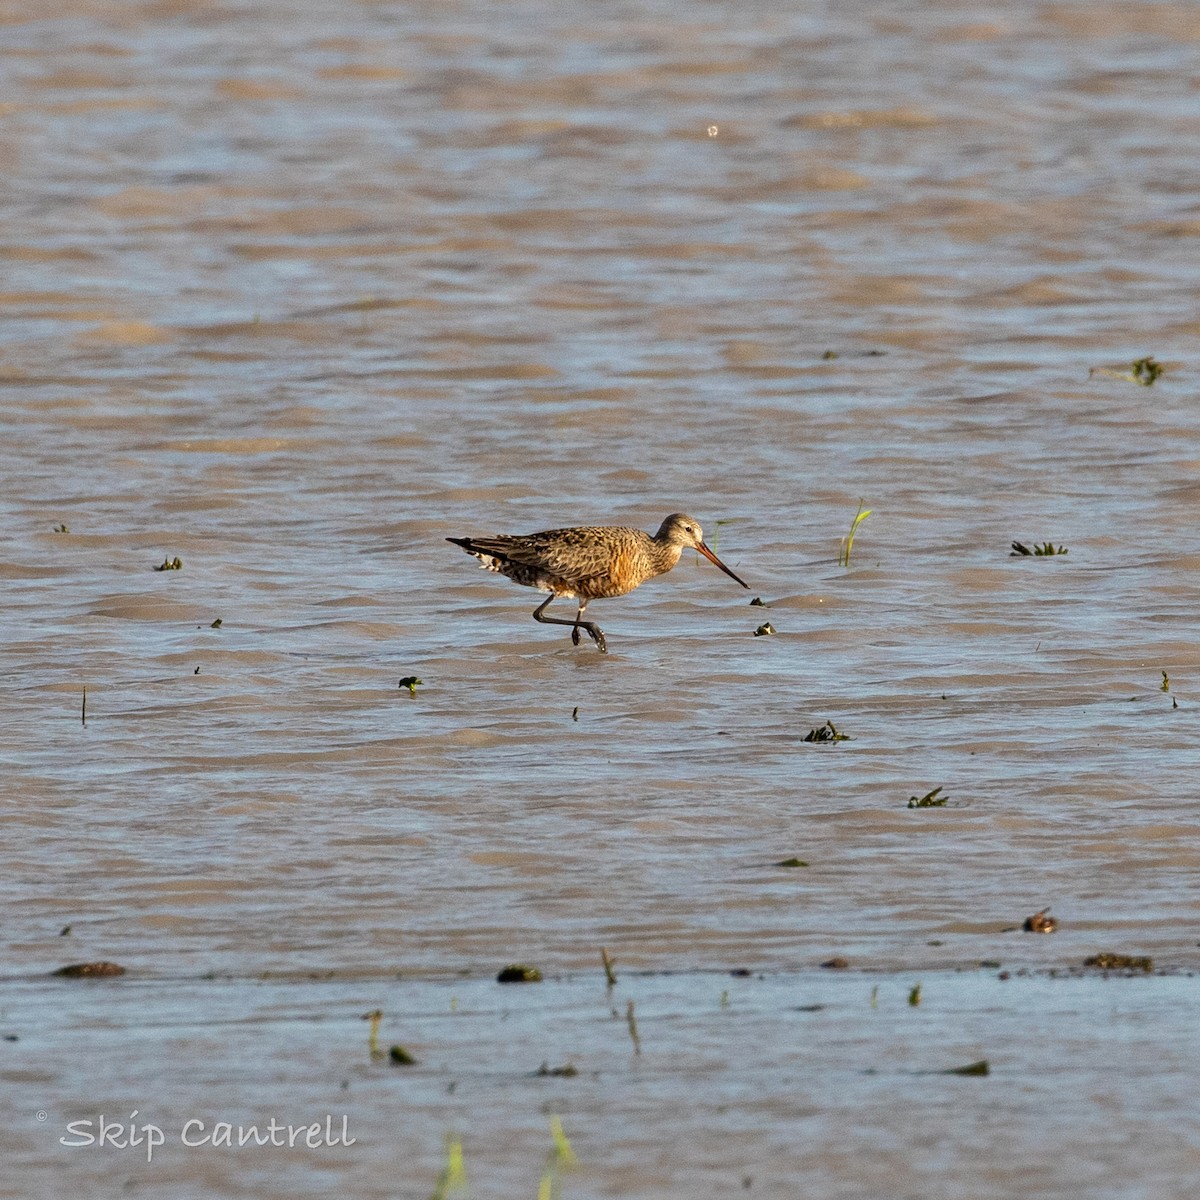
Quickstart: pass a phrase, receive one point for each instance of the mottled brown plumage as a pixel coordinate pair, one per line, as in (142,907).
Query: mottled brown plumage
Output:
(589,562)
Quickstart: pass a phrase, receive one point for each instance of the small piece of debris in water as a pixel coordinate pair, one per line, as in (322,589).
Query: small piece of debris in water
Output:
(92,970)
(1041,922)
(518,973)
(976,1068)
(566,1071)
(929,800)
(1120,962)
(828,732)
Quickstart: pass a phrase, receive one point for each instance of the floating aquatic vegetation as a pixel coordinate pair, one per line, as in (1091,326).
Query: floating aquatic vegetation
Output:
(216,624)
(1143,371)
(399,1057)
(566,1071)
(91,970)
(764,630)
(454,1174)
(717,532)
(171,564)
(828,732)
(61,529)
(631,1022)
(791,862)
(829,355)
(929,800)
(914,996)
(848,541)
(561,1158)
(1120,962)
(1044,550)
(610,967)
(1165,686)
(375,1016)
(837,963)
(411,682)
(1041,922)
(519,973)
(757,602)
(563,1153)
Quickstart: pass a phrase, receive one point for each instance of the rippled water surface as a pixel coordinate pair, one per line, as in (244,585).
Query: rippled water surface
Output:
(294,292)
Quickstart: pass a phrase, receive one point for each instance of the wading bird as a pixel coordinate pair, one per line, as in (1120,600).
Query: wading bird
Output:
(590,562)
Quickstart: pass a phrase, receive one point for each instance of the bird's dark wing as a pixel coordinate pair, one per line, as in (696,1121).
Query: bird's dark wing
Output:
(578,554)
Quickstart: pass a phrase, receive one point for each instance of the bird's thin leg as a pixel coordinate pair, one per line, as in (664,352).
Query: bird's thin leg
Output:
(593,630)
(578,622)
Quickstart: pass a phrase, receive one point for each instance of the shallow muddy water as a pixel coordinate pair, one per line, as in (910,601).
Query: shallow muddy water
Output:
(294,296)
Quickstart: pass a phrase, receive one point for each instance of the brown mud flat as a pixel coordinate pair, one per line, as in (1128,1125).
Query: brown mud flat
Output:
(787,1078)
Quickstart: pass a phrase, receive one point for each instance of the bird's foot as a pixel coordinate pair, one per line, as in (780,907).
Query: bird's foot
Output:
(594,632)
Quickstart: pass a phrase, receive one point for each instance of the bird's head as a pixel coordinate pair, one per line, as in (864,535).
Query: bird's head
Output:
(681,530)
